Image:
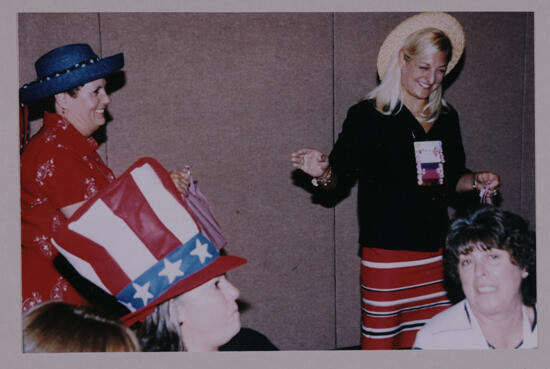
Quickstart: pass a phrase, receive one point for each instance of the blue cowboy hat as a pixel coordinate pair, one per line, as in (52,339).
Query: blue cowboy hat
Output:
(66,67)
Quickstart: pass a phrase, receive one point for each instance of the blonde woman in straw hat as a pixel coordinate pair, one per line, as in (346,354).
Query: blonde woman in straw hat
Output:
(402,144)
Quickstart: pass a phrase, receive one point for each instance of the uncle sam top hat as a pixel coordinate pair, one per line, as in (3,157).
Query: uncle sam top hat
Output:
(66,67)
(137,240)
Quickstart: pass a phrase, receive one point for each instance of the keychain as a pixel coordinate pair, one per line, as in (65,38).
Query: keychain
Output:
(485,196)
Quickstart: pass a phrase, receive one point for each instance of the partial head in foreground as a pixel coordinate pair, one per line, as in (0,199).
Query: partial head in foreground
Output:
(56,326)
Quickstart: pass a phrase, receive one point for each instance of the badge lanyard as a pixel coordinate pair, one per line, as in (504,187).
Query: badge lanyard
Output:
(429,162)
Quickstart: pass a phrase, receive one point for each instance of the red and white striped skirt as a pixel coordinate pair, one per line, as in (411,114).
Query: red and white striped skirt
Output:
(400,291)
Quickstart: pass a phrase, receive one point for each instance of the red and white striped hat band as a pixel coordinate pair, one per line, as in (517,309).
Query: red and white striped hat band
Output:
(138,241)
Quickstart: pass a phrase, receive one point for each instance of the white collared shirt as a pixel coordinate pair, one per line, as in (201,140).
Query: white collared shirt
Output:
(457,328)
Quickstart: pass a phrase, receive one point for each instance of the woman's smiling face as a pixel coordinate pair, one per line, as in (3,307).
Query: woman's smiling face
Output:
(421,75)
(86,110)
(490,281)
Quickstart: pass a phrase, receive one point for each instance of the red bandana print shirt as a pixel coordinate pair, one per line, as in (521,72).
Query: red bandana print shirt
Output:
(59,167)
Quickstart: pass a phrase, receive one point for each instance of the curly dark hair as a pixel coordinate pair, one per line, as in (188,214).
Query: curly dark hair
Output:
(490,227)
(48,103)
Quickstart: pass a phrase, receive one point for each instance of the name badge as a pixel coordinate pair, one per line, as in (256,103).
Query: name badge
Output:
(429,162)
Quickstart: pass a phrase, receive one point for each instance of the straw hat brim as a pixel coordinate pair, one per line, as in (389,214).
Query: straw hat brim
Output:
(442,21)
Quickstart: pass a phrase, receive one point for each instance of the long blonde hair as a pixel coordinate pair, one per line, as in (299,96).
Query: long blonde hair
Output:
(388,95)
(56,326)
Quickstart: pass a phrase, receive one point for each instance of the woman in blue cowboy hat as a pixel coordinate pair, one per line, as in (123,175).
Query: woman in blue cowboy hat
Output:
(60,168)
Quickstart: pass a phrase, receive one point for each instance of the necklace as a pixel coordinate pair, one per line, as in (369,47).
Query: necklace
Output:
(494,348)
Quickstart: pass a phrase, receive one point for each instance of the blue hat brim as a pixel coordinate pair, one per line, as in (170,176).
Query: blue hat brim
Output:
(38,90)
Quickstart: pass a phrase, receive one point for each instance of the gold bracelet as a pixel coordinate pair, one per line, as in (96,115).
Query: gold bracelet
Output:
(324,179)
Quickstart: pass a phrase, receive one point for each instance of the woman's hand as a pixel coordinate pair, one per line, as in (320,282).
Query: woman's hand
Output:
(311,161)
(181,179)
(488,181)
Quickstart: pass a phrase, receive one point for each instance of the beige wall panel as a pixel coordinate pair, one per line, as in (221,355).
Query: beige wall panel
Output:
(233,95)
(491,95)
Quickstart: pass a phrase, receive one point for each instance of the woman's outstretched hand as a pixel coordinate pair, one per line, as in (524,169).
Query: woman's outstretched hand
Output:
(311,161)
(181,179)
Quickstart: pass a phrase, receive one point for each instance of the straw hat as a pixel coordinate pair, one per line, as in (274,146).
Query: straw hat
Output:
(138,241)
(442,21)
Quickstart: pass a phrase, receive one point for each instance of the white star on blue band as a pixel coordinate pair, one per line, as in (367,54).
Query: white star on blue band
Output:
(184,261)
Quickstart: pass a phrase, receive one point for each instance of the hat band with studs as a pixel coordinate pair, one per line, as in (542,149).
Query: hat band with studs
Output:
(78,65)
(167,272)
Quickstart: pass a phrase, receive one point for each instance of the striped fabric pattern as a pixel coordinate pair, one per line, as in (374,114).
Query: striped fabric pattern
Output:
(138,241)
(135,234)
(400,291)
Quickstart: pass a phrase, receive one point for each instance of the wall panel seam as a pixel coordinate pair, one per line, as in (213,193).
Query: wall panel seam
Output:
(334,264)
(99,34)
